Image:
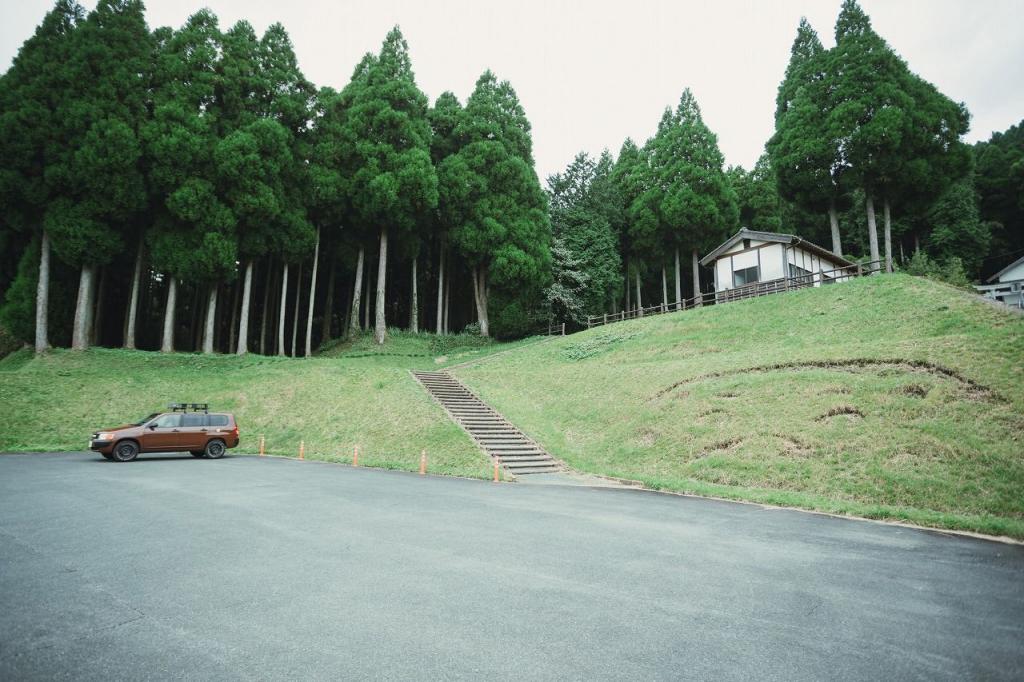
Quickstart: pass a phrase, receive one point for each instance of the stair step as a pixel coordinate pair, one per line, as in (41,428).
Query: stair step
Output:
(517,454)
(513,446)
(535,470)
(527,462)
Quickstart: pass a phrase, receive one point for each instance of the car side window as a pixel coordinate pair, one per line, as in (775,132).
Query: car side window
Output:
(168,421)
(218,420)
(193,420)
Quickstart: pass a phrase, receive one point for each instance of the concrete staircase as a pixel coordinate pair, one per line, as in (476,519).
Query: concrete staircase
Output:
(492,432)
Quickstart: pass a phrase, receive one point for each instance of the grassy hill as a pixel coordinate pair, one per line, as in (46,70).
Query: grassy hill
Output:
(890,397)
(356,393)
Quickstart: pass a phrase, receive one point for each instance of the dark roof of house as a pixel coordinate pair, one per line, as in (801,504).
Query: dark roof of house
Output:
(777,237)
(1011,266)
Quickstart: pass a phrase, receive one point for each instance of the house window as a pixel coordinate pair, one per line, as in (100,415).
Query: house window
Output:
(796,271)
(745,276)
(746,243)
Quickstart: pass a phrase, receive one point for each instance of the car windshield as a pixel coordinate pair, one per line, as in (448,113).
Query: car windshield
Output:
(146,419)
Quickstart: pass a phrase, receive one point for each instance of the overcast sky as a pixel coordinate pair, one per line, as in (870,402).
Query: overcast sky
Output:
(589,74)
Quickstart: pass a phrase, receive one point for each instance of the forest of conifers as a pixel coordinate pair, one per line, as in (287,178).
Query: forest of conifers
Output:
(189,189)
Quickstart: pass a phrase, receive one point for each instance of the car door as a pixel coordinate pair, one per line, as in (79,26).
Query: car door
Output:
(193,431)
(164,433)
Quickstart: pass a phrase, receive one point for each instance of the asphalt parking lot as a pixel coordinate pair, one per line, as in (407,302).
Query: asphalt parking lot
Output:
(263,568)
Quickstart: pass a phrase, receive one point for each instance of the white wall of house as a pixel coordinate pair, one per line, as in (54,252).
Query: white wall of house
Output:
(1013,274)
(772,260)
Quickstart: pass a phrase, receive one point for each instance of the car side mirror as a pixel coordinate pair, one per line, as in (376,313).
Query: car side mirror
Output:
(152,427)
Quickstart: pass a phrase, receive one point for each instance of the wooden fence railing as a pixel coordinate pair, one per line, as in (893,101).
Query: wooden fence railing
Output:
(1010,293)
(752,290)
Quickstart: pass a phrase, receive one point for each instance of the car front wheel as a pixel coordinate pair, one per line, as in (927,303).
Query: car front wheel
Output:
(215,449)
(125,451)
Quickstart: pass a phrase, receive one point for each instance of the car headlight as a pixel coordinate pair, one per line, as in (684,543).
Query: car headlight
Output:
(104,436)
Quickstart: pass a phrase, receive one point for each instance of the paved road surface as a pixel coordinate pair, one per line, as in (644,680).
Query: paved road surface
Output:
(249,568)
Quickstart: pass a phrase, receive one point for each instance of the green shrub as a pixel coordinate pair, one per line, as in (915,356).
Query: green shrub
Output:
(950,270)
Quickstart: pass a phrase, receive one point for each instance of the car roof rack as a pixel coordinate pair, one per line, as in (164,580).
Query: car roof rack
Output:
(185,407)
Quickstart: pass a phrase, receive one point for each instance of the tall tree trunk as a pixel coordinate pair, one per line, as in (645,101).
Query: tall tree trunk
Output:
(639,299)
(887,221)
(312,297)
(480,292)
(266,310)
(357,289)
(275,309)
(329,302)
(133,299)
(440,292)
(414,305)
(664,290)
(194,330)
(234,324)
(679,283)
(167,344)
(872,232)
(346,319)
(43,296)
(698,299)
(917,242)
(629,302)
(83,309)
(380,328)
(148,301)
(295,315)
(211,320)
(96,330)
(366,299)
(833,221)
(280,315)
(447,299)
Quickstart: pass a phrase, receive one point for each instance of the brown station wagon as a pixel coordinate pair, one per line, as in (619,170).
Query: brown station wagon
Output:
(200,432)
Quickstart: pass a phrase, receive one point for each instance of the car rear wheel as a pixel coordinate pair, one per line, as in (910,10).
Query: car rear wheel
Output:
(215,449)
(125,451)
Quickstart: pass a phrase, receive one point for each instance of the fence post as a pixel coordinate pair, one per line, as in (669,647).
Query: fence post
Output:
(860,270)
(606,318)
(563,327)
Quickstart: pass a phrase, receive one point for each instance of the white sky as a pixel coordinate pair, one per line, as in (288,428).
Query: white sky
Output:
(589,74)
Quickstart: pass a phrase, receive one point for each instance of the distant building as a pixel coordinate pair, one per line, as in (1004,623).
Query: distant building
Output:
(751,263)
(1008,285)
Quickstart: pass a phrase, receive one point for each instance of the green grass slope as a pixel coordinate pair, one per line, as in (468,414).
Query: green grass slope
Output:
(332,403)
(889,397)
